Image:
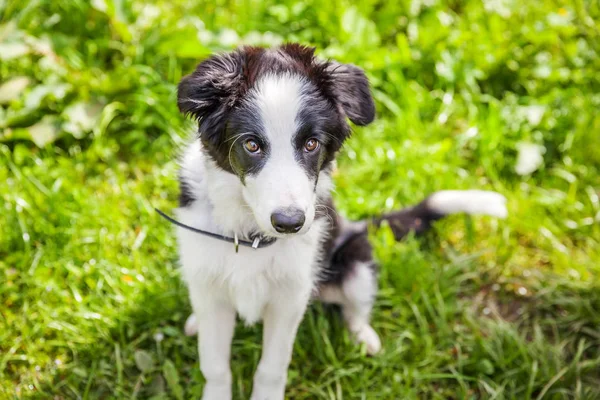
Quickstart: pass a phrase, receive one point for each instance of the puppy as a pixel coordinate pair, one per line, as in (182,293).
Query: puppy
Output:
(270,122)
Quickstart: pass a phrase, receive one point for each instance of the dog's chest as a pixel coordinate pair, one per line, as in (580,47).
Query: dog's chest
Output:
(251,286)
(250,279)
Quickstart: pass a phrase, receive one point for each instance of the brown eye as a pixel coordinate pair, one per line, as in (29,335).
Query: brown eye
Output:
(311,145)
(252,146)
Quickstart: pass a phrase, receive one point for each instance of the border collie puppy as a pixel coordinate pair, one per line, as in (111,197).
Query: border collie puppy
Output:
(270,122)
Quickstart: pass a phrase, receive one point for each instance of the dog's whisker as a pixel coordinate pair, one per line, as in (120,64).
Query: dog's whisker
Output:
(329,217)
(235,137)
(322,206)
(230,150)
(330,136)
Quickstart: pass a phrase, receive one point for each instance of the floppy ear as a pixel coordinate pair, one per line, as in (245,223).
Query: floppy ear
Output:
(351,87)
(210,92)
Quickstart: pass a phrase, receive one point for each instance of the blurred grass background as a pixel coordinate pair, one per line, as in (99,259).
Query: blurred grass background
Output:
(491,94)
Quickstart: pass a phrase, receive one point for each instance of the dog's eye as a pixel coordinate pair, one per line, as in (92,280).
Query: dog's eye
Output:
(252,146)
(311,145)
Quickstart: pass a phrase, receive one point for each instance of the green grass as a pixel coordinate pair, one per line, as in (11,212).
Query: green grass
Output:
(91,302)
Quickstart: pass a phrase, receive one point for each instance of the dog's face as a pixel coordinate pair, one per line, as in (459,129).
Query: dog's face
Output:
(276,118)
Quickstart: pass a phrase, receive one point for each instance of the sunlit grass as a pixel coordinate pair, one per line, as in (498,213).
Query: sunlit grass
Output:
(91,303)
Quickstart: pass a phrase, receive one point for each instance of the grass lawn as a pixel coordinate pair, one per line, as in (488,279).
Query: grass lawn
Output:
(91,302)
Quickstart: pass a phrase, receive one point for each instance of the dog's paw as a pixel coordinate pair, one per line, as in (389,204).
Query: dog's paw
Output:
(216,391)
(367,336)
(191,325)
(269,385)
(267,393)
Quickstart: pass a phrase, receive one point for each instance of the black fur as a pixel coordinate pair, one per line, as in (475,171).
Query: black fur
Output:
(186,197)
(215,95)
(243,124)
(348,242)
(352,90)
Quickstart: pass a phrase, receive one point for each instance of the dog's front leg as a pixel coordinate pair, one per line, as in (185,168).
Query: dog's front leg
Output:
(216,322)
(281,322)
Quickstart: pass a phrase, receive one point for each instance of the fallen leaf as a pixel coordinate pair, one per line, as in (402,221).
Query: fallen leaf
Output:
(82,117)
(13,88)
(143,360)
(44,132)
(172,378)
(8,51)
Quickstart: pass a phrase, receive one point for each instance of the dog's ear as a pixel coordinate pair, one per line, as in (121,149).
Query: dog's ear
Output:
(351,87)
(208,93)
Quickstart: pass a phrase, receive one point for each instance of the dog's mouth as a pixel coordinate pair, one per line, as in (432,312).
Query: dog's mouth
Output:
(270,234)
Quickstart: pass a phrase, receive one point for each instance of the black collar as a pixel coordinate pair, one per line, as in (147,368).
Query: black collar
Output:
(256,243)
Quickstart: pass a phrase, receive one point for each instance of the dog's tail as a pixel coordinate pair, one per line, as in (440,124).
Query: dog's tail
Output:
(440,204)
(351,236)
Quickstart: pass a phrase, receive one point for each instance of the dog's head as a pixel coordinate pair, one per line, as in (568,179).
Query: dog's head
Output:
(275,118)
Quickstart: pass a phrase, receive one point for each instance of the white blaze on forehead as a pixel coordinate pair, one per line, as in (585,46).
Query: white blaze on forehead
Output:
(279,99)
(282,182)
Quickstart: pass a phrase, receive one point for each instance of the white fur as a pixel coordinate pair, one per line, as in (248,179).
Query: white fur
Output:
(248,278)
(281,322)
(282,183)
(216,323)
(468,201)
(191,325)
(356,295)
(273,283)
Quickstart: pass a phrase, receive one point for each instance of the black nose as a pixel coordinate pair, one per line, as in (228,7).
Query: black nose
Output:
(289,220)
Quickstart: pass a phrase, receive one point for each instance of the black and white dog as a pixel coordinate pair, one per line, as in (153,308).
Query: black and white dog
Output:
(270,122)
